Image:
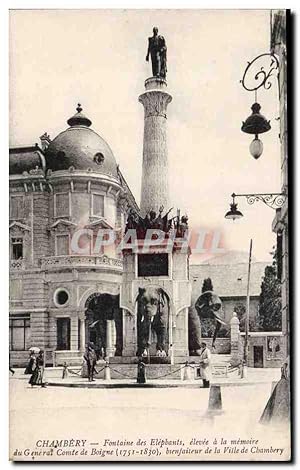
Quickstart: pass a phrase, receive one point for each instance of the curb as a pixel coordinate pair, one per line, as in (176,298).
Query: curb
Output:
(150,385)
(122,385)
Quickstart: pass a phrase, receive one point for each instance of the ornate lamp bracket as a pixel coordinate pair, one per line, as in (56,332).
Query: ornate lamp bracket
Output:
(273,200)
(258,72)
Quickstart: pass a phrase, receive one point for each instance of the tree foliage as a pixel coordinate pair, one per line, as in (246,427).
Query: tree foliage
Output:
(270,299)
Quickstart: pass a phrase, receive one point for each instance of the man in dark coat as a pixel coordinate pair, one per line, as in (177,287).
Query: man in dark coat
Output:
(91,359)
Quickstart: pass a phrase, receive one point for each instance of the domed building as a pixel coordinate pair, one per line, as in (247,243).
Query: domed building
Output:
(67,197)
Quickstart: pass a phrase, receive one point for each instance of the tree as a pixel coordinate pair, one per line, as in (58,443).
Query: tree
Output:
(270,318)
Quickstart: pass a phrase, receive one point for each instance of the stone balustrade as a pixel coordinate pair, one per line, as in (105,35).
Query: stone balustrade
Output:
(17,264)
(81,261)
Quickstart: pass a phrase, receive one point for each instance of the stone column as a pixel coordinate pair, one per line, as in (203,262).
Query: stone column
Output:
(129,334)
(235,339)
(82,334)
(155,187)
(74,333)
(110,349)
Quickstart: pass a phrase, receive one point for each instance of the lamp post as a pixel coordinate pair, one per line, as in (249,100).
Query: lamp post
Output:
(273,200)
(246,342)
(257,75)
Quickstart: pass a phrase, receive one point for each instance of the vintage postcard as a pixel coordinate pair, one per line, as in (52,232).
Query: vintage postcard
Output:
(148,230)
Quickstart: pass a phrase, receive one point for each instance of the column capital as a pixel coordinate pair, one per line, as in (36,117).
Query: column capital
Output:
(155,103)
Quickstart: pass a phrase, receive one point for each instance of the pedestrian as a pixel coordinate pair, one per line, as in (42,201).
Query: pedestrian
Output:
(34,374)
(205,365)
(38,370)
(28,369)
(91,358)
(141,373)
(65,371)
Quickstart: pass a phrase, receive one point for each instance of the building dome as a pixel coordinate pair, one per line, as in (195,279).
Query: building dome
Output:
(82,148)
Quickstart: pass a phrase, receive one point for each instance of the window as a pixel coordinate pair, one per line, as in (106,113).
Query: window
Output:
(153,265)
(17,248)
(61,297)
(98,205)
(16,207)
(62,244)
(63,334)
(62,205)
(99,158)
(19,334)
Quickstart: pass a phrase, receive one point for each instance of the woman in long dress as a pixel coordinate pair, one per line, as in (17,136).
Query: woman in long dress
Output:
(34,369)
(29,366)
(38,370)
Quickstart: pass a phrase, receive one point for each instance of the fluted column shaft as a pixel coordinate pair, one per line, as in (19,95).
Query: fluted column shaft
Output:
(155,174)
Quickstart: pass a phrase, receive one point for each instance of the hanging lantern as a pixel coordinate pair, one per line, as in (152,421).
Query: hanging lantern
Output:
(256,124)
(233,213)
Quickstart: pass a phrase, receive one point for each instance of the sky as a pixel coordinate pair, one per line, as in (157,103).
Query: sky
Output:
(97,57)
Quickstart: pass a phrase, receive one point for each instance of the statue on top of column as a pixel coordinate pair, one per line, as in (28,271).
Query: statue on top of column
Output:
(157,48)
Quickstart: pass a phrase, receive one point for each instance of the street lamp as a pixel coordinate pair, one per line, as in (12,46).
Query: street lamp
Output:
(233,213)
(273,200)
(256,123)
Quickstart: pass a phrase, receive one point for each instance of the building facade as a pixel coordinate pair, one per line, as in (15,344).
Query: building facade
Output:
(280,222)
(66,189)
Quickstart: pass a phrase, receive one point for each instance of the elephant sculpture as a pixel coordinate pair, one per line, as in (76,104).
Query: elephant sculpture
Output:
(209,305)
(152,316)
